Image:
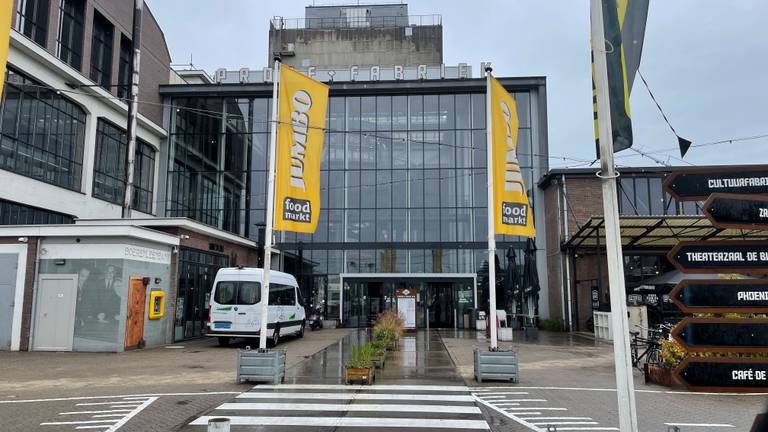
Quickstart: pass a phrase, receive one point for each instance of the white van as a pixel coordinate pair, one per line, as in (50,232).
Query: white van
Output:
(235,305)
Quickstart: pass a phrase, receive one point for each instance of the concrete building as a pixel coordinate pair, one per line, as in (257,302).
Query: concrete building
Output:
(360,34)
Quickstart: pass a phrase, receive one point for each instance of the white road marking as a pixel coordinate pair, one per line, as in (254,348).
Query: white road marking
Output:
(104,403)
(504,393)
(352,407)
(566,423)
(350,422)
(130,415)
(525,400)
(613,390)
(96,412)
(92,427)
(722,425)
(593,428)
(134,396)
(558,418)
(76,422)
(363,387)
(107,415)
(506,404)
(511,416)
(537,408)
(357,396)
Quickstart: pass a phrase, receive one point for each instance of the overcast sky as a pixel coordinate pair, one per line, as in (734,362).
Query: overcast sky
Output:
(705,60)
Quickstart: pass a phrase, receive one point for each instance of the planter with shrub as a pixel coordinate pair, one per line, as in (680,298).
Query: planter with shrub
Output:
(360,367)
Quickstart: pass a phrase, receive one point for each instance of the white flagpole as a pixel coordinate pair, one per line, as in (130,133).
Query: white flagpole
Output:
(270,209)
(625,387)
(491,238)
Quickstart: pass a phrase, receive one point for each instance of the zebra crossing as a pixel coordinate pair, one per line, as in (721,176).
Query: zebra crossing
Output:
(534,412)
(351,408)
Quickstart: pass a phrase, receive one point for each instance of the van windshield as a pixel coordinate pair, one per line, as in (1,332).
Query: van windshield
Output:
(237,293)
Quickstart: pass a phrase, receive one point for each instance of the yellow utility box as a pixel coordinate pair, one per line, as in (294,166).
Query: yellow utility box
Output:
(156,304)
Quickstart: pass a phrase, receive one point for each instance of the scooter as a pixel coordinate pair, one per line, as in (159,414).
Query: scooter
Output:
(314,319)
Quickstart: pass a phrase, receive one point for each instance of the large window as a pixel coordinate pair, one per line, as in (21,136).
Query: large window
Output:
(32,19)
(42,133)
(644,195)
(125,67)
(109,168)
(70,42)
(101,51)
(12,213)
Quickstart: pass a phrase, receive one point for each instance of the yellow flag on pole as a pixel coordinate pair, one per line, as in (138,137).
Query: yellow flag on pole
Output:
(511,210)
(301,123)
(6,12)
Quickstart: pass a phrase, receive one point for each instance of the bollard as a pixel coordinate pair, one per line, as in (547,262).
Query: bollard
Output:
(219,424)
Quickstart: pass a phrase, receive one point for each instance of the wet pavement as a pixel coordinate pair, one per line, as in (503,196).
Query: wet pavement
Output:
(418,389)
(421,358)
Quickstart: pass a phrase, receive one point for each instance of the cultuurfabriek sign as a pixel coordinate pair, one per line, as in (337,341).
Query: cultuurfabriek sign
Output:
(698,184)
(720,256)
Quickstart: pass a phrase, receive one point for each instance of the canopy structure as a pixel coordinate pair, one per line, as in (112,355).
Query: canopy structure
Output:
(655,233)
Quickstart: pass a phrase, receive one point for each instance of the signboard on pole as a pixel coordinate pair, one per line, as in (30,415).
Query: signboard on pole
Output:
(697,184)
(301,125)
(511,209)
(737,211)
(721,296)
(729,335)
(724,374)
(720,256)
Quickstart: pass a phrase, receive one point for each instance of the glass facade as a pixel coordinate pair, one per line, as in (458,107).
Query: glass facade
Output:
(644,195)
(197,270)
(12,213)
(42,133)
(32,19)
(109,168)
(71,24)
(101,51)
(403,181)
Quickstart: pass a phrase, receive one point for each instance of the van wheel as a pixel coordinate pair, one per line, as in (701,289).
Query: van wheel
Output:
(275,336)
(301,330)
(223,341)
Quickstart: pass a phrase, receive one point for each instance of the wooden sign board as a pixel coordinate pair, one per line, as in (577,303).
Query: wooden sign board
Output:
(721,296)
(727,335)
(698,184)
(737,211)
(724,374)
(720,256)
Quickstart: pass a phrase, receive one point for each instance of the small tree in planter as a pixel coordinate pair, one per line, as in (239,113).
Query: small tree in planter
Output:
(379,353)
(360,365)
(389,328)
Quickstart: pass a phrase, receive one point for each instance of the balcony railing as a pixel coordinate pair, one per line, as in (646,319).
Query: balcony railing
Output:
(280,23)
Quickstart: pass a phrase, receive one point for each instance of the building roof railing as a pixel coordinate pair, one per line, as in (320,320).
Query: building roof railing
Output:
(354,22)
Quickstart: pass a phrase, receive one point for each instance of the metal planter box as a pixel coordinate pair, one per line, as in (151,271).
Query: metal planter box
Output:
(261,366)
(496,365)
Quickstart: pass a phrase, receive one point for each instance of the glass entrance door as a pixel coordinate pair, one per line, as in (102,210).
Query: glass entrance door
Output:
(440,303)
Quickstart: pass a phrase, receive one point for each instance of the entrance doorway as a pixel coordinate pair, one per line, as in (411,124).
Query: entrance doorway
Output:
(442,301)
(134,321)
(8,267)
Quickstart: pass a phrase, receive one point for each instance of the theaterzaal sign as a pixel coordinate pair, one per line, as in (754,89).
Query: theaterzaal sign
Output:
(736,198)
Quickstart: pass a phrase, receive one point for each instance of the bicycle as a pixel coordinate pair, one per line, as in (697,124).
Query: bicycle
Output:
(650,346)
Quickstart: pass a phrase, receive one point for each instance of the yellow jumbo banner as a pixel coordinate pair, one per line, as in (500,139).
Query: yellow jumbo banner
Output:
(301,121)
(6,11)
(511,210)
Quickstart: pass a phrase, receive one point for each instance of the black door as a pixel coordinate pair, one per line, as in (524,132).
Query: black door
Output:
(440,304)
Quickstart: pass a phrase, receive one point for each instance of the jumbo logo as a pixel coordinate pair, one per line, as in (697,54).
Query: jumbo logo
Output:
(301,102)
(513,179)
